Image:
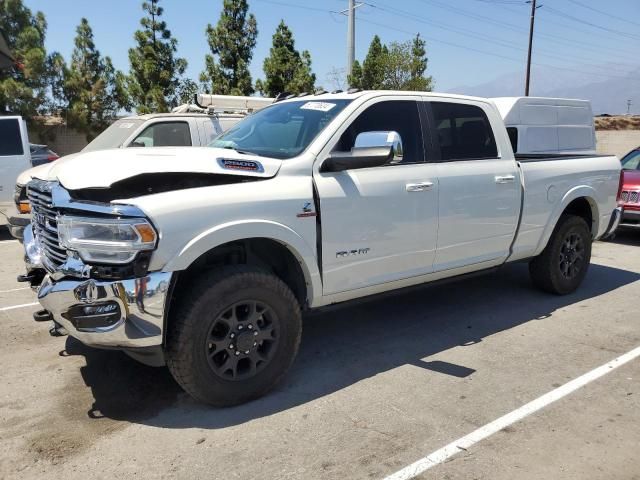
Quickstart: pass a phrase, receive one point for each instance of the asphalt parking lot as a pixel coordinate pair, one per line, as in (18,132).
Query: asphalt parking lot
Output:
(377,386)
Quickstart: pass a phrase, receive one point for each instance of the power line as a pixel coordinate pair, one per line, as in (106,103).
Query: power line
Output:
(473,34)
(602,12)
(520,29)
(562,14)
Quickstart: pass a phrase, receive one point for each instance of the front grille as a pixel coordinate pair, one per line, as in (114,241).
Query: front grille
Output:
(45,226)
(629,196)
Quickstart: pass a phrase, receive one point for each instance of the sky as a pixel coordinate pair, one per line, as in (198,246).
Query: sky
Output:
(469,42)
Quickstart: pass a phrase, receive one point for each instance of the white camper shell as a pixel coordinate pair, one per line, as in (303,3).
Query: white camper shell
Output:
(548,125)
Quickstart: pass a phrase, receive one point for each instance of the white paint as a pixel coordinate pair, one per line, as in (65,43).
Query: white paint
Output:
(464,443)
(14,289)
(13,307)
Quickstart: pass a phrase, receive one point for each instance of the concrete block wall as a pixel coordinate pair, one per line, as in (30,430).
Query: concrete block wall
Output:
(617,142)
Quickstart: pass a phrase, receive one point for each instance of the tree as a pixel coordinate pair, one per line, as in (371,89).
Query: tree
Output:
(187,91)
(373,67)
(155,69)
(231,42)
(355,79)
(401,66)
(418,65)
(286,70)
(23,90)
(90,86)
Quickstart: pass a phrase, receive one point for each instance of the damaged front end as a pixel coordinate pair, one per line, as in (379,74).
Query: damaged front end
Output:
(89,263)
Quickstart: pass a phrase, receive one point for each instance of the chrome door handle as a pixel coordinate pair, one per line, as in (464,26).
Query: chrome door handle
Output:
(419,187)
(505,179)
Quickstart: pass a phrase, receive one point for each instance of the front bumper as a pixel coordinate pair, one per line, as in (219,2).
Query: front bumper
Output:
(124,314)
(630,217)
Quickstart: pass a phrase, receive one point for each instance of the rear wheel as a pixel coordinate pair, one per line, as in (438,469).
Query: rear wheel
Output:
(563,264)
(234,336)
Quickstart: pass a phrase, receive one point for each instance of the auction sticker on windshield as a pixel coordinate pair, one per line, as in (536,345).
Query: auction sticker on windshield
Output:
(320,106)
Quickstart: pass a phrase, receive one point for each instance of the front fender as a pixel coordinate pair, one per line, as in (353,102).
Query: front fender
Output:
(583,191)
(245,229)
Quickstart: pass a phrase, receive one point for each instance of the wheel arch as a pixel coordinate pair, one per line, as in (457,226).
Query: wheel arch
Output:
(578,201)
(267,244)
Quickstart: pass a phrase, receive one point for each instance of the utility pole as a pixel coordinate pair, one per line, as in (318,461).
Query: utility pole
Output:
(351,36)
(629,107)
(351,33)
(533,20)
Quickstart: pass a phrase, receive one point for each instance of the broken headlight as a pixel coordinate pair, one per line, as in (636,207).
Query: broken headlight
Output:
(106,240)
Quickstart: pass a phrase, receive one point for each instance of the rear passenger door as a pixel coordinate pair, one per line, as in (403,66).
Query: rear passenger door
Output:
(479,191)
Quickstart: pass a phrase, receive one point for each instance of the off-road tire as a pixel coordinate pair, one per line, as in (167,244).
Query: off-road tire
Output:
(547,268)
(208,297)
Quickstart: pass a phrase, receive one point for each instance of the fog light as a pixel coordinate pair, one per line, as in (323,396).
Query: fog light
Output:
(92,317)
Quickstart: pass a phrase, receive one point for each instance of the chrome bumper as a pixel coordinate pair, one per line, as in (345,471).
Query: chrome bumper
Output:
(139,320)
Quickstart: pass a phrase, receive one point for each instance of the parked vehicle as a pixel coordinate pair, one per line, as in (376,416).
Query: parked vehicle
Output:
(41,154)
(203,259)
(629,194)
(187,126)
(15,157)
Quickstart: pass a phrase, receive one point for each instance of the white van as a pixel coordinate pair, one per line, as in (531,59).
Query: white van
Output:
(15,157)
(548,126)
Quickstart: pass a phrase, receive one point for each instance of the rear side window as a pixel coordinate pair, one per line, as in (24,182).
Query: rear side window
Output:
(165,134)
(10,139)
(463,132)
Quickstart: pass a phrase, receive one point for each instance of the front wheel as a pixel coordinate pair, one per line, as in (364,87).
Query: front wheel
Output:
(564,262)
(234,335)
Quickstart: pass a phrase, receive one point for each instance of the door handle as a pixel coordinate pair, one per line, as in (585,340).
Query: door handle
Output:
(505,179)
(419,187)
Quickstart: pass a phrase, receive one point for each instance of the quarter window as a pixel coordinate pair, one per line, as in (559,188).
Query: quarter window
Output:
(400,116)
(10,138)
(165,134)
(463,132)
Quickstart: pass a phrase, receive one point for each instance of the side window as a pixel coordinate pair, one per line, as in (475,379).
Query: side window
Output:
(10,139)
(400,116)
(164,134)
(463,132)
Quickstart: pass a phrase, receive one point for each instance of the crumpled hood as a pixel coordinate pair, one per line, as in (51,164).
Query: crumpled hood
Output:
(101,169)
(38,172)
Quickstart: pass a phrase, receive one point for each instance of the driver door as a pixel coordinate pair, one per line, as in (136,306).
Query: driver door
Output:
(379,224)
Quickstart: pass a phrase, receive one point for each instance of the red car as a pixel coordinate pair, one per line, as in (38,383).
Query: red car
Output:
(629,195)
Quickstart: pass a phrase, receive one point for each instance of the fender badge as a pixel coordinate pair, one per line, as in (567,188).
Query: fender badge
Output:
(307,211)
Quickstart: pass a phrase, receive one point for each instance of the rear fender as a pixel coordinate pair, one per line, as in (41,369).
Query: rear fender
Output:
(583,191)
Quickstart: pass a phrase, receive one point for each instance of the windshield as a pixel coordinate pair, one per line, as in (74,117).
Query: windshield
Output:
(115,135)
(631,161)
(282,130)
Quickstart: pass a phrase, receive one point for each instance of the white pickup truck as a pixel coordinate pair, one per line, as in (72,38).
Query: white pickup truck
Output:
(203,259)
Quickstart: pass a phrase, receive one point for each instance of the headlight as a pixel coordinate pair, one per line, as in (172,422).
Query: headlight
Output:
(106,240)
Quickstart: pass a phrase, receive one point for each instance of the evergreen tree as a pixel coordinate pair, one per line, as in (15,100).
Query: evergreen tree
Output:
(373,67)
(23,90)
(155,70)
(417,67)
(90,86)
(231,42)
(286,70)
(355,79)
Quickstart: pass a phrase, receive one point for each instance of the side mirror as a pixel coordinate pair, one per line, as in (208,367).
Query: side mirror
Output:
(371,149)
(382,139)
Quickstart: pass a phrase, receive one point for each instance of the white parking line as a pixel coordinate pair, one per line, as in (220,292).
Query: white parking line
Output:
(15,289)
(13,307)
(464,443)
